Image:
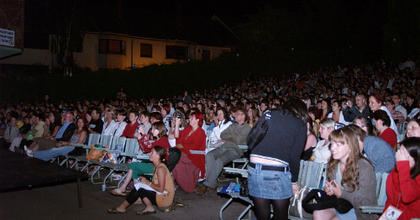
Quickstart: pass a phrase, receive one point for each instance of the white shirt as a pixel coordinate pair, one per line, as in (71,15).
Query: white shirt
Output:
(393,125)
(109,129)
(341,119)
(322,153)
(217,130)
(120,129)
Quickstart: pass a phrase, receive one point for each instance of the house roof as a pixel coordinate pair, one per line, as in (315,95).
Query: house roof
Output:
(149,24)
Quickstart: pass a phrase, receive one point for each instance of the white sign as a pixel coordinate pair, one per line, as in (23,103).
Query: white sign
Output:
(7,37)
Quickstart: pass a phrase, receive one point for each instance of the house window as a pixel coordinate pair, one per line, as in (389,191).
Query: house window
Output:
(176,52)
(205,55)
(112,46)
(146,50)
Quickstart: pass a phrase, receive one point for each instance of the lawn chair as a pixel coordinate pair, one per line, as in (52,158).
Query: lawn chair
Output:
(93,139)
(381,194)
(116,143)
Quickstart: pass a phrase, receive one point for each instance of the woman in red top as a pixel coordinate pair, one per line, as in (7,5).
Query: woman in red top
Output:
(187,171)
(403,183)
(137,169)
(382,122)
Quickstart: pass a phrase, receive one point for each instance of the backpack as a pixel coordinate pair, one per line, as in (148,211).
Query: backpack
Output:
(258,131)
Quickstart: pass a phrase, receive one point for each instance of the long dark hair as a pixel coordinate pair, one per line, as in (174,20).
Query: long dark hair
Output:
(295,107)
(413,147)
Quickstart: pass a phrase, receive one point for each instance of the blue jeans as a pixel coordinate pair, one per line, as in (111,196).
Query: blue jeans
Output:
(269,184)
(47,155)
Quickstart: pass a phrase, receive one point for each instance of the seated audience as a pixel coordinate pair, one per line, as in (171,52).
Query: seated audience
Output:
(11,132)
(337,114)
(120,125)
(311,141)
(378,151)
(413,128)
(64,134)
(235,134)
(187,171)
(110,124)
(322,151)
(63,148)
(382,122)
(136,169)
(376,102)
(361,108)
(96,123)
(220,124)
(159,192)
(132,126)
(351,176)
(403,183)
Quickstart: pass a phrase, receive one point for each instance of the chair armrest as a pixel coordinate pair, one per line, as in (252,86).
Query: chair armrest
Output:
(372,209)
(198,152)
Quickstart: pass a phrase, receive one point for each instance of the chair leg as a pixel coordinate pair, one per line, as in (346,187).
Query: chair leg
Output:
(107,176)
(224,207)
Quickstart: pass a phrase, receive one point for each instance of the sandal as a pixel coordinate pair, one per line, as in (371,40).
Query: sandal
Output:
(118,192)
(145,212)
(115,211)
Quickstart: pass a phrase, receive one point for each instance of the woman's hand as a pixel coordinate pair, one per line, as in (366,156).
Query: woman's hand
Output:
(332,188)
(295,187)
(144,180)
(141,131)
(58,144)
(402,154)
(179,146)
(177,121)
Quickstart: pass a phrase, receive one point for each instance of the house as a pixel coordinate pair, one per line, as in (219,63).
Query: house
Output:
(128,39)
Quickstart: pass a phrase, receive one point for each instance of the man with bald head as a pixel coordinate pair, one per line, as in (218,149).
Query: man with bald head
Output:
(361,108)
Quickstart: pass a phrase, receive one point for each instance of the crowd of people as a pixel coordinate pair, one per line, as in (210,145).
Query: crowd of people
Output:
(360,121)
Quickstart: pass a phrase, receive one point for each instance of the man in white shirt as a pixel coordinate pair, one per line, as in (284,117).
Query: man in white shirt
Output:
(398,107)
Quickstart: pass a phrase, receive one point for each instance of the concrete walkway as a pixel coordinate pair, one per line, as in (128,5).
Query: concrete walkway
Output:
(60,202)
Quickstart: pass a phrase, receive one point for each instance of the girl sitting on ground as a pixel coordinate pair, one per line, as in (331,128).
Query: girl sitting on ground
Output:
(161,190)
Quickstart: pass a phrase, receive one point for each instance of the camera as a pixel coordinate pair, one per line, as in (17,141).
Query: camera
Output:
(178,115)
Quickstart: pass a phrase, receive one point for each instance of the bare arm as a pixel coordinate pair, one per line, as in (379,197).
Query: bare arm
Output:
(161,173)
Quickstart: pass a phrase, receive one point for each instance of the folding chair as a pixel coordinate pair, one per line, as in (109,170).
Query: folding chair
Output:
(381,194)
(93,139)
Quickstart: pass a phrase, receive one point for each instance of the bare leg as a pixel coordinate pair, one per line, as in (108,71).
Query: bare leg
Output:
(123,187)
(122,207)
(326,214)
(149,205)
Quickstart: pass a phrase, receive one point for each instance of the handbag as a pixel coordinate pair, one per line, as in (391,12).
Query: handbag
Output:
(324,201)
(258,131)
(94,154)
(296,208)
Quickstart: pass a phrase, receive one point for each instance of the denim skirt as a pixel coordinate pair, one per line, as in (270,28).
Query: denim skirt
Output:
(269,184)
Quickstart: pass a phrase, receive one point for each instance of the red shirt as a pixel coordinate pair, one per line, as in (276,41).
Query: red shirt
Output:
(130,129)
(390,137)
(403,192)
(147,147)
(195,141)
